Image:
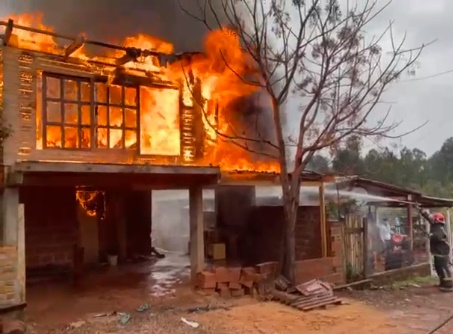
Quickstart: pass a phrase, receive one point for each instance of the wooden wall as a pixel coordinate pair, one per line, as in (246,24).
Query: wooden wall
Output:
(21,102)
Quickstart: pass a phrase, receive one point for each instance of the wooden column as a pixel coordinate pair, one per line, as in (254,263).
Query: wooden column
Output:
(21,253)
(366,245)
(323,220)
(196,231)
(448,228)
(410,223)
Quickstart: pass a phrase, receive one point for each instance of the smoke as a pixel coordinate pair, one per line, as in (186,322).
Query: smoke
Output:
(113,20)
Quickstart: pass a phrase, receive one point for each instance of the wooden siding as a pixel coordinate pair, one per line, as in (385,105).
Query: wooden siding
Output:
(22,71)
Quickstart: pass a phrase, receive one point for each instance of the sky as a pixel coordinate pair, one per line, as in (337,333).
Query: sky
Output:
(425,97)
(415,100)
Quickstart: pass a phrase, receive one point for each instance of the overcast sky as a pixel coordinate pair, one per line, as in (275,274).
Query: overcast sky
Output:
(415,100)
(420,99)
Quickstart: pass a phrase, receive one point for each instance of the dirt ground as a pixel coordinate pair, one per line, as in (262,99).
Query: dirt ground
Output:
(110,303)
(413,310)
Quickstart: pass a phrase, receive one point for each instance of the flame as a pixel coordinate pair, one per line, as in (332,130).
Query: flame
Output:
(219,72)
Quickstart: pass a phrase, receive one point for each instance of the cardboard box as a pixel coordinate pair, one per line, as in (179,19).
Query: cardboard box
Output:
(218,251)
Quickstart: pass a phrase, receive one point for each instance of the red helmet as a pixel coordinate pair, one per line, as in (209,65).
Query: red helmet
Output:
(438,218)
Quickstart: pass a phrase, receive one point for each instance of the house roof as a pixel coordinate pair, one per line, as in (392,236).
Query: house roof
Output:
(376,187)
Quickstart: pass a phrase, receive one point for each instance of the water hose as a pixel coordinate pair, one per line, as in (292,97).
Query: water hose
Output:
(442,324)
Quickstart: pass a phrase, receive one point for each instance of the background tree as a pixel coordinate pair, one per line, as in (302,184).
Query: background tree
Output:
(316,51)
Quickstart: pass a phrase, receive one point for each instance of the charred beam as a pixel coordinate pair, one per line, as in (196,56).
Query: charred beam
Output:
(74,46)
(8,32)
(131,55)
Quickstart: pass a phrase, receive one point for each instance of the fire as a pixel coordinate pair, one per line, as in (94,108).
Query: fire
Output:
(218,74)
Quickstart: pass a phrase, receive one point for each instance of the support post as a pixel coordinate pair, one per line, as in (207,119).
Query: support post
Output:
(196,231)
(21,253)
(323,222)
(449,232)
(10,216)
(366,244)
(410,223)
(428,250)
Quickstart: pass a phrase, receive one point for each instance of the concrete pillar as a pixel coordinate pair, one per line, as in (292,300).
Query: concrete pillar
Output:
(10,216)
(196,230)
(13,248)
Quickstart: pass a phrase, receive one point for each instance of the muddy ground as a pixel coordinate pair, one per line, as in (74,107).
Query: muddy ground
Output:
(414,309)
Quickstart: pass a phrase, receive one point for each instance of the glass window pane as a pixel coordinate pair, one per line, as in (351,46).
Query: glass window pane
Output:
(130,138)
(70,90)
(86,138)
(102,115)
(101,92)
(85,88)
(54,112)
(115,95)
(130,118)
(86,115)
(71,137)
(53,87)
(130,96)
(71,113)
(116,116)
(53,136)
(116,138)
(102,136)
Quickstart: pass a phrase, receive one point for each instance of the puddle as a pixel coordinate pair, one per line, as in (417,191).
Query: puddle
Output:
(167,273)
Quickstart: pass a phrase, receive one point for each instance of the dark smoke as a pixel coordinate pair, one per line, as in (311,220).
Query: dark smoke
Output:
(113,20)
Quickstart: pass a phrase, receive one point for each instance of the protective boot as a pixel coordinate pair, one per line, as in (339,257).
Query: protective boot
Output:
(446,285)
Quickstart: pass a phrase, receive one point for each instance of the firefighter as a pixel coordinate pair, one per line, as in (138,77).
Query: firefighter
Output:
(439,248)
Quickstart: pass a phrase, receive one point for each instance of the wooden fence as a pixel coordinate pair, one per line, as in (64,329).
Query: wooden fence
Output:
(354,246)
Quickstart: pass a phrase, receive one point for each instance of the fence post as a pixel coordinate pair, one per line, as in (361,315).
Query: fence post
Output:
(365,222)
(449,233)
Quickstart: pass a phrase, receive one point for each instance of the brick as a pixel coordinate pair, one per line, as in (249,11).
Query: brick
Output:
(222,274)
(237,293)
(225,293)
(207,292)
(234,286)
(337,262)
(235,274)
(222,286)
(206,280)
(267,268)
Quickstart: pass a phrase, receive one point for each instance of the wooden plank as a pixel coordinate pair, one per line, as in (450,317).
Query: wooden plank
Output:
(322,214)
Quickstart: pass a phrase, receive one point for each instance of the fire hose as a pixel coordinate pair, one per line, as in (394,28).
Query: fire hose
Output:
(442,324)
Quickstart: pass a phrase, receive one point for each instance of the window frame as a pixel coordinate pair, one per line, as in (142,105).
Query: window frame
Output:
(62,101)
(123,107)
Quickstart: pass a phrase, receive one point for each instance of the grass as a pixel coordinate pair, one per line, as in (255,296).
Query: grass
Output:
(418,280)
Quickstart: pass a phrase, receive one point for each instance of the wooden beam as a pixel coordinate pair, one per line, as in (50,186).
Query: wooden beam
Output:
(21,276)
(197,255)
(8,32)
(323,221)
(74,46)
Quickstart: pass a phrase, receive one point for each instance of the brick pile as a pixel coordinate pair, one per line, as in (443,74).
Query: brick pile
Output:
(237,281)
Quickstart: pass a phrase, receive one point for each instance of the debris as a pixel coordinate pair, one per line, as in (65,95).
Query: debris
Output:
(282,284)
(77,324)
(13,327)
(123,318)
(105,314)
(308,296)
(142,308)
(192,324)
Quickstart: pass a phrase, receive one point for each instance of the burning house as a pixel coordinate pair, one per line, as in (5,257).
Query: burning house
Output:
(101,125)
(94,127)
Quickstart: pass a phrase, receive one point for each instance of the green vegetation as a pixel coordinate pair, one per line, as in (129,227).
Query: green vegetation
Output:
(410,168)
(415,281)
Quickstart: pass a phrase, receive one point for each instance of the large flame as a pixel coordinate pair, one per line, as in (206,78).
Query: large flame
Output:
(220,71)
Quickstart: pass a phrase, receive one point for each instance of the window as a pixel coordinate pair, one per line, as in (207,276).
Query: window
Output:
(116,110)
(67,112)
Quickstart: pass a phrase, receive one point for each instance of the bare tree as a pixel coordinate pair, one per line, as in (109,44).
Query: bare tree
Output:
(317,53)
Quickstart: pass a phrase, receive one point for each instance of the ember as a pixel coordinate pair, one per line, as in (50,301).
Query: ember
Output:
(162,119)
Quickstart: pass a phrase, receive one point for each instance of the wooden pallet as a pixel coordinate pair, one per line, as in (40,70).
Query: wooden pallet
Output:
(306,303)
